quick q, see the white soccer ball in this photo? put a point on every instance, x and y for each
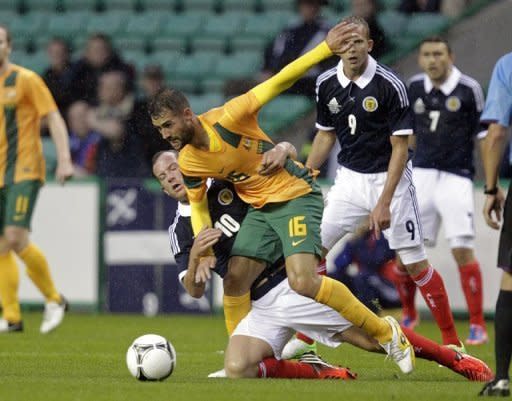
(151, 357)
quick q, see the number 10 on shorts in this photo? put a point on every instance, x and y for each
(297, 227)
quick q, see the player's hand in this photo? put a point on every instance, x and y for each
(494, 203)
(338, 38)
(380, 219)
(206, 263)
(64, 171)
(273, 160)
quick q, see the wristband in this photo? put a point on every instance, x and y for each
(490, 191)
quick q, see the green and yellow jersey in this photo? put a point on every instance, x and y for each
(24, 100)
(237, 145)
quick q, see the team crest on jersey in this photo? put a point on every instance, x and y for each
(334, 106)
(419, 106)
(370, 104)
(225, 197)
(247, 143)
(453, 103)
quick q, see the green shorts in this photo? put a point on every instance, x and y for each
(290, 227)
(17, 203)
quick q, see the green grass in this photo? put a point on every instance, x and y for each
(84, 360)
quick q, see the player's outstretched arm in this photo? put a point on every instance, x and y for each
(336, 42)
(321, 148)
(60, 136)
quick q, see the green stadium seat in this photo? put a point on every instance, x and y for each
(390, 4)
(137, 58)
(206, 43)
(425, 24)
(183, 85)
(119, 5)
(67, 24)
(203, 5)
(10, 5)
(80, 5)
(224, 25)
(210, 85)
(248, 43)
(183, 25)
(266, 25)
(37, 62)
(40, 5)
(159, 44)
(283, 111)
(393, 22)
(238, 65)
(143, 25)
(28, 26)
(18, 56)
(341, 5)
(122, 42)
(195, 66)
(202, 103)
(271, 5)
(158, 5)
(238, 5)
(166, 59)
(109, 23)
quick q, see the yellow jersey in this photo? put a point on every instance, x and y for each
(236, 152)
(24, 100)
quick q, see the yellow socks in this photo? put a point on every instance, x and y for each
(336, 295)
(39, 272)
(235, 309)
(9, 282)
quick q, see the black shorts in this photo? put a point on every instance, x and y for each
(505, 247)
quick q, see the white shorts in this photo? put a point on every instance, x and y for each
(276, 317)
(447, 197)
(354, 195)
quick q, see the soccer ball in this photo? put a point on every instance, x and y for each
(151, 357)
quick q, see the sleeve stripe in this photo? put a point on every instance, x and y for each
(397, 84)
(323, 127)
(173, 238)
(403, 132)
(414, 78)
(324, 76)
(477, 91)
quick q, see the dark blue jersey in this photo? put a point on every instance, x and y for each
(227, 212)
(446, 121)
(363, 114)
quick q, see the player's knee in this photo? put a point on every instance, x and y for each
(237, 368)
(15, 241)
(235, 284)
(304, 284)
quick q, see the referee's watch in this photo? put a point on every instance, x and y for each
(490, 191)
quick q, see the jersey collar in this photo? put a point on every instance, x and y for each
(364, 79)
(184, 209)
(448, 86)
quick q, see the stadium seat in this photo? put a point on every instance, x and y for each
(425, 24)
(119, 5)
(143, 25)
(39, 5)
(239, 65)
(109, 23)
(80, 5)
(136, 58)
(195, 66)
(224, 25)
(10, 5)
(157, 5)
(37, 62)
(272, 5)
(182, 25)
(210, 85)
(28, 26)
(238, 5)
(201, 103)
(203, 5)
(183, 85)
(206, 43)
(167, 59)
(340, 5)
(265, 25)
(390, 4)
(67, 24)
(393, 22)
(124, 42)
(283, 111)
(159, 44)
(247, 44)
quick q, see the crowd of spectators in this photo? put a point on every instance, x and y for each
(105, 101)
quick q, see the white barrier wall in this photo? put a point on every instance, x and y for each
(66, 227)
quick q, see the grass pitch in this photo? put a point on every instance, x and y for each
(85, 360)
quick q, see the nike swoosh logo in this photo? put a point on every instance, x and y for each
(295, 243)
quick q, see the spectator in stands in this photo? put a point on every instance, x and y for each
(419, 6)
(118, 152)
(368, 10)
(99, 57)
(296, 40)
(59, 76)
(152, 81)
(83, 141)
